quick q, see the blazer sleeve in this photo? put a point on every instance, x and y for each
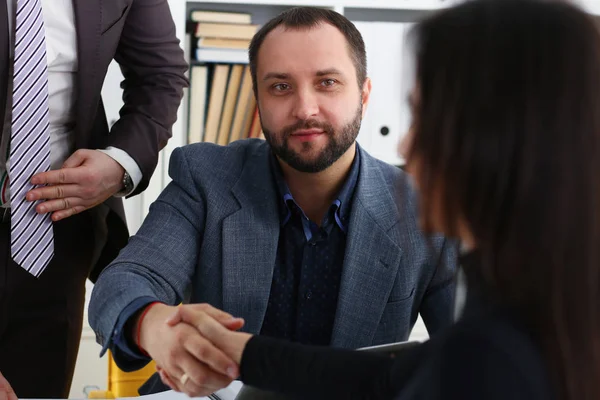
(153, 65)
(437, 307)
(159, 261)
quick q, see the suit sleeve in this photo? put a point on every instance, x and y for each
(153, 66)
(159, 261)
(437, 307)
(124, 350)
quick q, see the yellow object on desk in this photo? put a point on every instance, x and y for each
(123, 384)
(101, 394)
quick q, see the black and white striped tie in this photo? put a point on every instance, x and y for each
(32, 237)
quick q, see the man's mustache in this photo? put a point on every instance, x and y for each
(307, 124)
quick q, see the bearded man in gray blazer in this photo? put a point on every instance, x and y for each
(54, 56)
(305, 236)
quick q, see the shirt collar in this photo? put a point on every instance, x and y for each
(347, 192)
(341, 205)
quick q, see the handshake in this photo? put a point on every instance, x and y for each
(195, 346)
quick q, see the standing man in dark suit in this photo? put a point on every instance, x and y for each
(63, 169)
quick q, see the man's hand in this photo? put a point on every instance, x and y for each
(86, 179)
(192, 363)
(230, 342)
(6, 392)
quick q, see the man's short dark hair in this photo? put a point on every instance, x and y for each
(307, 18)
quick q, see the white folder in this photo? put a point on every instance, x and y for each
(387, 66)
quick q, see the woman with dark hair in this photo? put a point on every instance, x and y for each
(505, 151)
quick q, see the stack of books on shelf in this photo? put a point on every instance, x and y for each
(222, 107)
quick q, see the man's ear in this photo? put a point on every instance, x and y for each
(366, 95)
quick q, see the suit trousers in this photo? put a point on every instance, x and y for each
(41, 318)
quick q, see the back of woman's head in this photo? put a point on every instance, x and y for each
(507, 130)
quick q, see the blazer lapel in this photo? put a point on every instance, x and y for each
(4, 67)
(88, 20)
(250, 238)
(371, 260)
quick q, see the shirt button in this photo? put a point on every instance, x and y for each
(308, 295)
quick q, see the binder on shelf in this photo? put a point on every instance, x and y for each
(231, 56)
(215, 104)
(197, 105)
(248, 118)
(244, 108)
(226, 31)
(222, 107)
(221, 43)
(233, 90)
(386, 118)
(220, 16)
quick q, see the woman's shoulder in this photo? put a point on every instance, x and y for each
(495, 330)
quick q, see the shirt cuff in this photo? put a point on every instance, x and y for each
(127, 163)
(123, 348)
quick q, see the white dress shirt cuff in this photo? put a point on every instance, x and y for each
(127, 163)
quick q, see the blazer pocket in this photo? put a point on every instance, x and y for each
(112, 14)
(397, 297)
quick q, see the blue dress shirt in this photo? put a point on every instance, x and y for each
(308, 270)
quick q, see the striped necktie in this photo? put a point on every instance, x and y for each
(32, 242)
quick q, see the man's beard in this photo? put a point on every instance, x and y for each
(338, 143)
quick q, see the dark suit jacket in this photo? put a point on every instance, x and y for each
(140, 36)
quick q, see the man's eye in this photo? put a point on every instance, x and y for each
(280, 87)
(328, 82)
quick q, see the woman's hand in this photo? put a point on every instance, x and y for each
(192, 364)
(229, 342)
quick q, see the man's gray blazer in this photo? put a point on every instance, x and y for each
(213, 232)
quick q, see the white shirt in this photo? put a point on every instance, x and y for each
(61, 54)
